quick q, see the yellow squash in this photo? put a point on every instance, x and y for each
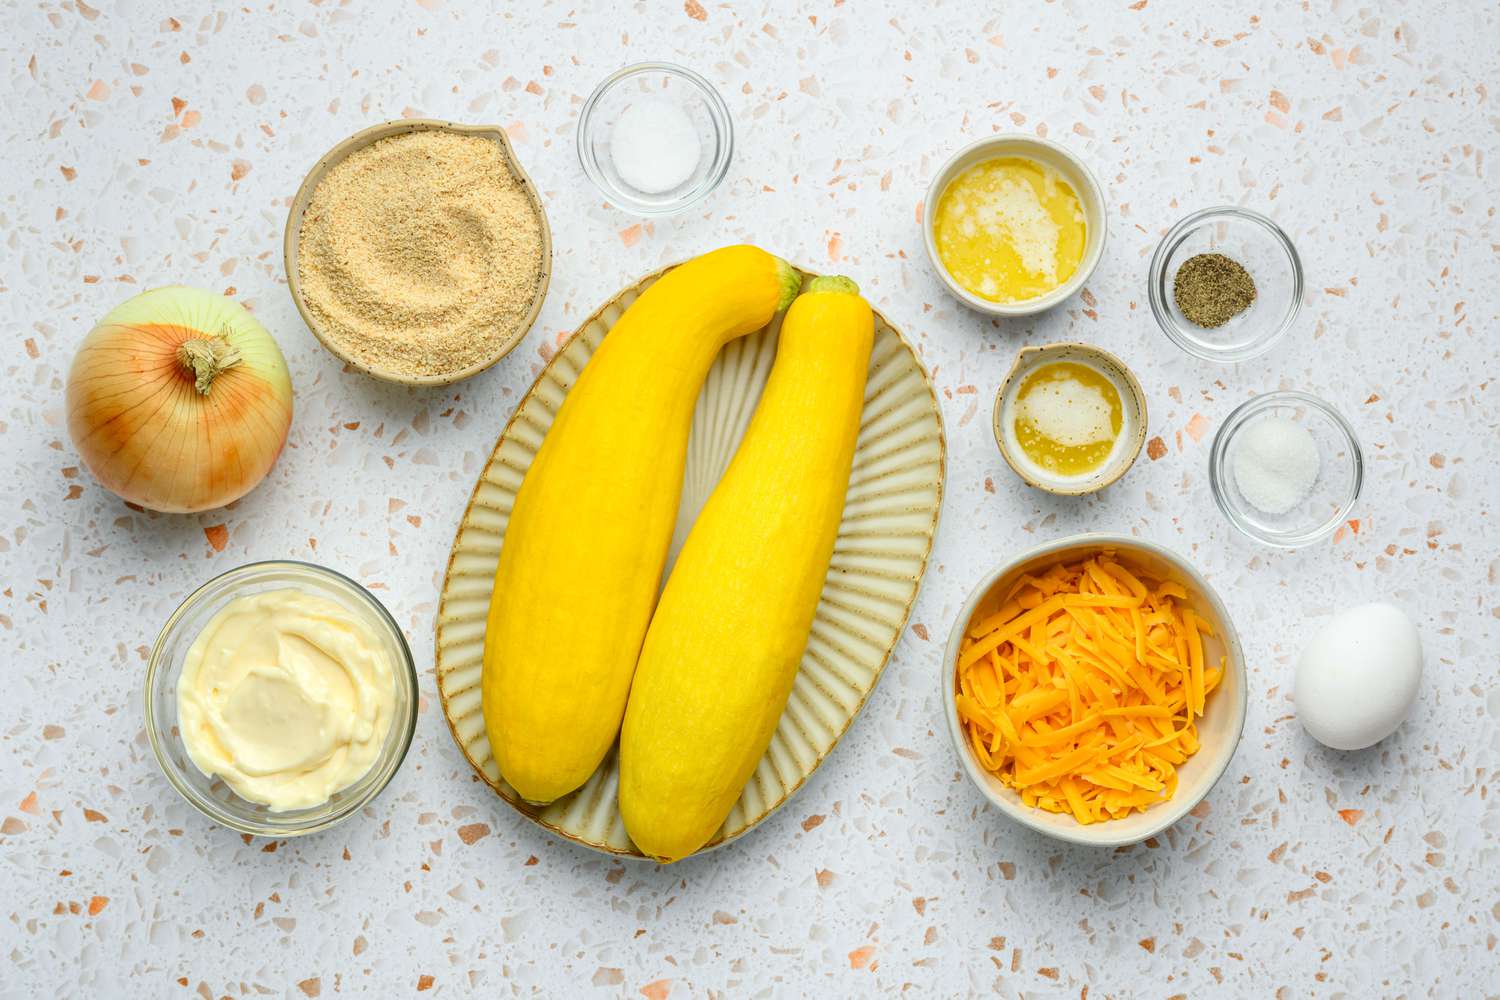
(588, 535)
(723, 647)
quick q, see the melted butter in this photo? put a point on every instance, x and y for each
(1067, 417)
(1009, 229)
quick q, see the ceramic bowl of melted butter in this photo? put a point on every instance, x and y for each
(1014, 224)
(1069, 418)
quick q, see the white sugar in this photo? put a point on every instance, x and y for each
(1275, 464)
(654, 146)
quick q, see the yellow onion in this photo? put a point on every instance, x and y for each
(179, 400)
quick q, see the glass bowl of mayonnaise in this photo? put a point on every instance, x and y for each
(281, 698)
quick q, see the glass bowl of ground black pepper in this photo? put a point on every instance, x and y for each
(1225, 284)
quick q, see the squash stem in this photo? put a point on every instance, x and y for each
(835, 283)
(791, 283)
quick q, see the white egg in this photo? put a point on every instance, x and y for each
(1359, 676)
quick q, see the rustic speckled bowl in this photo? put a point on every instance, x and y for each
(890, 517)
(1132, 402)
(1218, 730)
(292, 239)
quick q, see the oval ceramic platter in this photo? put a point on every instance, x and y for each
(890, 516)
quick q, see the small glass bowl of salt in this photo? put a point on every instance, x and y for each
(655, 138)
(1286, 468)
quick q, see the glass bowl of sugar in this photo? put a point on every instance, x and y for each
(1286, 468)
(655, 138)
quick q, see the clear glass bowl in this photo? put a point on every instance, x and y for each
(1341, 471)
(213, 797)
(697, 98)
(1260, 246)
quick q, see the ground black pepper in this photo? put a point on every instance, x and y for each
(1211, 289)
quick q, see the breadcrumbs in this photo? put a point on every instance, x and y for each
(421, 254)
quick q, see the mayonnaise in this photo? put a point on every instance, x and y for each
(286, 696)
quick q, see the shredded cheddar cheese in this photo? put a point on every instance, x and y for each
(1081, 691)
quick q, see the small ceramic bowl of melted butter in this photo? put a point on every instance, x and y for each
(1069, 418)
(1014, 224)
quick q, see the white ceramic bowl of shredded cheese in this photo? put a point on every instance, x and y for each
(1049, 154)
(1219, 728)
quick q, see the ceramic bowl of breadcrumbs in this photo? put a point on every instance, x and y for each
(418, 251)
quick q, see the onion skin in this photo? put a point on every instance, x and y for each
(141, 423)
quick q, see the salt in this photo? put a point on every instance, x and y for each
(1275, 463)
(654, 146)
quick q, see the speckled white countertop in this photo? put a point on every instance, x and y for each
(148, 143)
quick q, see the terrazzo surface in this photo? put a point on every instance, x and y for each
(151, 143)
